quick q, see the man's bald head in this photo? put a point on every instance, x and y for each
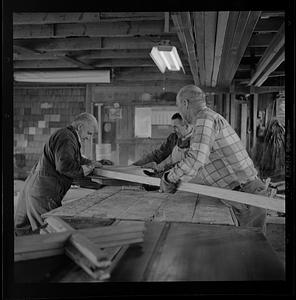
(190, 99)
(86, 125)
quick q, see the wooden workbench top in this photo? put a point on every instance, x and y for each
(124, 203)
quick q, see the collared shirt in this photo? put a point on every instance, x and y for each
(216, 154)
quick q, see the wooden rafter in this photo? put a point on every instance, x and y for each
(76, 62)
(84, 43)
(183, 23)
(251, 22)
(209, 44)
(221, 30)
(275, 45)
(80, 17)
(274, 63)
(199, 33)
(118, 29)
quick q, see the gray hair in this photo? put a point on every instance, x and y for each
(85, 118)
(193, 94)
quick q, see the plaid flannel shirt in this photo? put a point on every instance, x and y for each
(216, 154)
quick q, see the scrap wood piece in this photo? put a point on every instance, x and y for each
(225, 194)
(119, 235)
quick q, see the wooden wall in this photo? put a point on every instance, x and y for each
(38, 112)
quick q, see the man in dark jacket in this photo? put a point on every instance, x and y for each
(179, 137)
(52, 176)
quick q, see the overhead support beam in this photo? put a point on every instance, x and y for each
(210, 38)
(275, 62)
(268, 25)
(76, 62)
(166, 22)
(276, 44)
(199, 33)
(70, 63)
(116, 29)
(245, 27)
(82, 17)
(182, 22)
(261, 40)
(84, 43)
(220, 36)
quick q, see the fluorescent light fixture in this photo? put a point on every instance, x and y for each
(166, 56)
(91, 76)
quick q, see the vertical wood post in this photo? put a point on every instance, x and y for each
(243, 125)
(219, 101)
(254, 125)
(88, 147)
(232, 110)
(226, 106)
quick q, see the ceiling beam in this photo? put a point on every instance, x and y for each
(220, 36)
(76, 62)
(261, 40)
(209, 44)
(82, 17)
(239, 49)
(272, 66)
(275, 45)
(116, 29)
(183, 24)
(230, 29)
(199, 33)
(69, 63)
(268, 14)
(84, 43)
(268, 25)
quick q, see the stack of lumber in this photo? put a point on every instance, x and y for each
(96, 250)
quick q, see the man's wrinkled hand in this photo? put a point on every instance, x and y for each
(166, 186)
(96, 164)
(106, 162)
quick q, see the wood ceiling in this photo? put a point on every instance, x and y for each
(219, 50)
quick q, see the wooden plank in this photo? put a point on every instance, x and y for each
(211, 210)
(76, 207)
(273, 65)
(232, 110)
(243, 125)
(136, 260)
(261, 40)
(251, 22)
(231, 25)
(118, 29)
(77, 62)
(166, 21)
(84, 43)
(199, 31)
(220, 36)
(192, 252)
(268, 25)
(210, 38)
(240, 197)
(275, 45)
(219, 103)
(179, 207)
(82, 17)
(227, 107)
(254, 119)
(183, 24)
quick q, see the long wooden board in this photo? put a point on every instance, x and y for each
(137, 175)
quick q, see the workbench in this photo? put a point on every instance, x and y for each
(188, 237)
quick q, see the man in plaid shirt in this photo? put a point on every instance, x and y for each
(217, 155)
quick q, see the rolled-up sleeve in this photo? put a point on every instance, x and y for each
(66, 160)
(197, 155)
